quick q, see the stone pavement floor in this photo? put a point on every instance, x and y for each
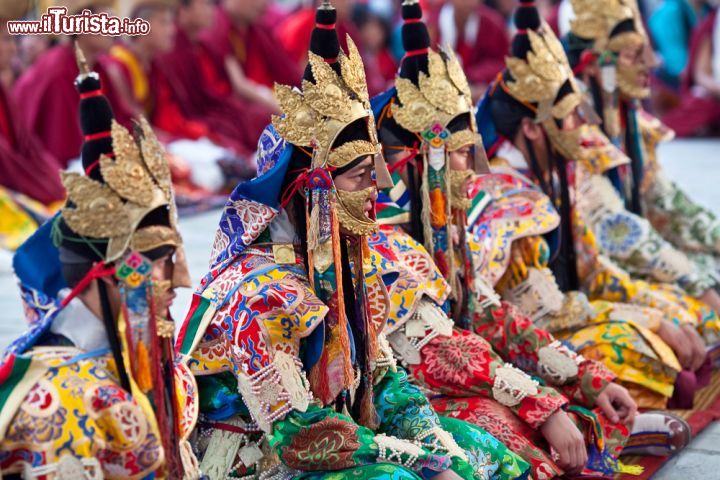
(692, 163)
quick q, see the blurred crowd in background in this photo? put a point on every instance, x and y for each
(204, 74)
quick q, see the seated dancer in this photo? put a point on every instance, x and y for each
(472, 377)
(25, 166)
(147, 88)
(609, 45)
(541, 132)
(45, 90)
(91, 389)
(699, 111)
(292, 313)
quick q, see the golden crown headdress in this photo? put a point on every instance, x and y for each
(538, 78)
(137, 181)
(315, 116)
(440, 96)
(596, 19)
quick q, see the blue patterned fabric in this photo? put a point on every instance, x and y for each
(254, 204)
(39, 271)
(269, 149)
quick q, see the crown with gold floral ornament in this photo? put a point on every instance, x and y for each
(127, 178)
(327, 103)
(609, 24)
(432, 89)
(538, 69)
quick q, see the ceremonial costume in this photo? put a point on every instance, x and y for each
(678, 243)
(292, 313)
(88, 395)
(619, 335)
(476, 374)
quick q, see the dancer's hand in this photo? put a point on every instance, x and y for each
(567, 441)
(712, 299)
(697, 345)
(677, 340)
(617, 404)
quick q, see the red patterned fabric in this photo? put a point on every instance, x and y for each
(516, 338)
(504, 425)
(464, 365)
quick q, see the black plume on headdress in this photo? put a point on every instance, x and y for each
(527, 18)
(415, 38)
(96, 117)
(416, 41)
(324, 40)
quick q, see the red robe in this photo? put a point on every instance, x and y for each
(50, 102)
(236, 124)
(695, 112)
(485, 57)
(294, 36)
(256, 48)
(25, 166)
(294, 33)
(155, 97)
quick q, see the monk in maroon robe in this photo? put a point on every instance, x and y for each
(478, 34)
(240, 33)
(235, 124)
(699, 110)
(241, 55)
(144, 86)
(47, 96)
(25, 166)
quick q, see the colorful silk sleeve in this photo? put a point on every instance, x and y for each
(518, 341)
(465, 364)
(632, 242)
(405, 412)
(680, 220)
(592, 378)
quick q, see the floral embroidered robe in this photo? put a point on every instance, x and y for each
(252, 326)
(507, 221)
(478, 375)
(614, 244)
(65, 415)
(690, 227)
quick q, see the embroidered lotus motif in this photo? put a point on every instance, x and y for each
(619, 233)
(329, 445)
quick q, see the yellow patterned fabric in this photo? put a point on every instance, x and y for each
(16, 225)
(77, 418)
(604, 280)
(398, 253)
(631, 350)
(515, 209)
